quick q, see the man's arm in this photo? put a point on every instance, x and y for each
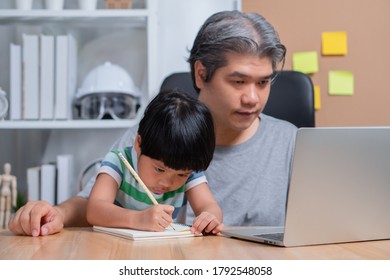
(41, 218)
(73, 212)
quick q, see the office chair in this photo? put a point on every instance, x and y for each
(291, 97)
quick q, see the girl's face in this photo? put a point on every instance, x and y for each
(157, 177)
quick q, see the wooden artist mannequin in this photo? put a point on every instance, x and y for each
(8, 190)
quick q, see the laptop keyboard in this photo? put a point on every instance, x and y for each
(274, 236)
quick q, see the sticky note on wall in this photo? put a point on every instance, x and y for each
(317, 98)
(341, 83)
(334, 43)
(306, 62)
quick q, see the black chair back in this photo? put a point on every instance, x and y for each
(292, 99)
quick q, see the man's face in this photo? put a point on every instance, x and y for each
(237, 93)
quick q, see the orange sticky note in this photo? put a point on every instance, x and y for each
(334, 43)
(306, 62)
(341, 83)
(317, 98)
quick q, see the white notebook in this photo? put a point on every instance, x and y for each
(181, 230)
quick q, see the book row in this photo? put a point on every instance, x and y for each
(43, 77)
(52, 182)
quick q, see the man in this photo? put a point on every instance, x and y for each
(233, 61)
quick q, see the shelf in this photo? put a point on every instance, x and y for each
(68, 124)
(112, 16)
(127, 37)
(76, 18)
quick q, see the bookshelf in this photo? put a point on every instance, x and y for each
(99, 35)
(87, 26)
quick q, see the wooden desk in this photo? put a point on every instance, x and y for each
(83, 243)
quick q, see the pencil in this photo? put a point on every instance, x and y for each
(139, 180)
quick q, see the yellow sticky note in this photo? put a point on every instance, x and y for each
(306, 62)
(334, 43)
(341, 83)
(317, 98)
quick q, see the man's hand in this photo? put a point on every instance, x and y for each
(37, 218)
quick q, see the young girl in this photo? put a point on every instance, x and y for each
(174, 144)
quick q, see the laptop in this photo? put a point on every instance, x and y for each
(339, 189)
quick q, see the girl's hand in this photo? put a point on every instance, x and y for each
(206, 223)
(155, 218)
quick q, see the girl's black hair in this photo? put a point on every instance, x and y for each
(178, 130)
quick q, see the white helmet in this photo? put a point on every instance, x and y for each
(108, 78)
(108, 91)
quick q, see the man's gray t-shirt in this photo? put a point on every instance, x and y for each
(250, 180)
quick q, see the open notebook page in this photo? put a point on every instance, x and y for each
(181, 230)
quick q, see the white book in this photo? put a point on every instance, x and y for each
(72, 74)
(33, 183)
(65, 75)
(61, 77)
(66, 188)
(180, 230)
(48, 183)
(46, 77)
(15, 82)
(30, 88)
